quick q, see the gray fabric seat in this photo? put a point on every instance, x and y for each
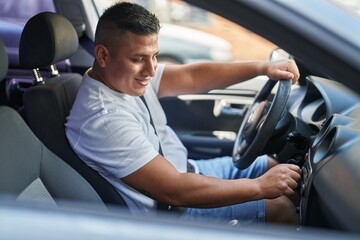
(48, 38)
(31, 173)
(4, 61)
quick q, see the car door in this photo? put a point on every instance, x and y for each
(208, 123)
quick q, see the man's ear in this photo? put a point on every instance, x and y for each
(101, 55)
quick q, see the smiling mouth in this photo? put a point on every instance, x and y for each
(143, 82)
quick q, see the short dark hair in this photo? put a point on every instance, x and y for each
(126, 16)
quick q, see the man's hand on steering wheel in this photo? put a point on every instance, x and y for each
(262, 116)
(282, 69)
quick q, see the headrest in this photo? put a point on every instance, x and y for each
(4, 61)
(47, 38)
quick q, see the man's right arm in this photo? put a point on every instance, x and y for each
(159, 180)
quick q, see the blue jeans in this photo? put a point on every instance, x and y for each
(248, 212)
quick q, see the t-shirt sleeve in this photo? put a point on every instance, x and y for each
(119, 147)
(157, 78)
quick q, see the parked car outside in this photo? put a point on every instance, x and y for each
(181, 44)
(178, 44)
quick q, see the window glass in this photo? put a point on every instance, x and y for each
(245, 45)
(350, 6)
(11, 9)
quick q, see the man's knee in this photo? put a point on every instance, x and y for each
(281, 210)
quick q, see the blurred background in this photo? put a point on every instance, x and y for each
(245, 45)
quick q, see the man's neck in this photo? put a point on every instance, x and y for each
(94, 75)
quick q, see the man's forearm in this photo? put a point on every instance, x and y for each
(200, 191)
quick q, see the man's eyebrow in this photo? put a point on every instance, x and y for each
(143, 55)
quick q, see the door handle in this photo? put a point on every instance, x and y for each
(224, 108)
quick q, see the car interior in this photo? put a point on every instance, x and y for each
(35, 175)
(48, 101)
(30, 172)
(316, 124)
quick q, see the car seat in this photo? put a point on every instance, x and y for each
(4, 65)
(48, 38)
(4, 61)
(32, 173)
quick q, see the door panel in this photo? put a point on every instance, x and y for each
(207, 124)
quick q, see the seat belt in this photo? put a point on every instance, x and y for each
(159, 205)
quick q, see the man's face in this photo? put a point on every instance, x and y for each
(132, 63)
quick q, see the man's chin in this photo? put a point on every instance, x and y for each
(139, 93)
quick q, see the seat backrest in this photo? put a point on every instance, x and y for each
(4, 61)
(46, 39)
(32, 173)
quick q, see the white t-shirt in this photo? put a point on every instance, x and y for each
(111, 132)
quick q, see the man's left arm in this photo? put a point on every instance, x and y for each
(203, 77)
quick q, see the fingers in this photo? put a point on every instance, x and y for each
(282, 74)
(293, 179)
(290, 70)
(293, 172)
(292, 167)
(285, 177)
(292, 184)
(284, 69)
(279, 180)
(291, 76)
(293, 69)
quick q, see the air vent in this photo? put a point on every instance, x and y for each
(325, 145)
(333, 120)
(320, 113)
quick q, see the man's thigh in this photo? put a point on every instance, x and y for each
(245, 213)
(249, 212)
(224, 168)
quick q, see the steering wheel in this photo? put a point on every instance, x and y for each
(259, 123)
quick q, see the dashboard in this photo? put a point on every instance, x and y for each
(329, 189)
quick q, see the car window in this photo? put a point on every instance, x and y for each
(350, 6)
(11, 9)
(12, 20)
(245, 44)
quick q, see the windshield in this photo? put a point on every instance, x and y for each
(350, 6)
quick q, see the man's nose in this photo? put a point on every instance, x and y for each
(150, 68)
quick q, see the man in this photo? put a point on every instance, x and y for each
(110, 128)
